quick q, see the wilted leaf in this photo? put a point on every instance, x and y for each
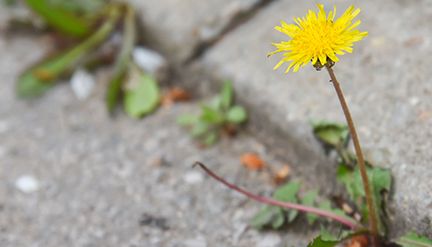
(144, 98)
(414, 240)
(331, 134)
(236, 114)
(60, 18)
(252, 161)
(40, 78)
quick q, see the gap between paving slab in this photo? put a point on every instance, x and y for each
(390, 96)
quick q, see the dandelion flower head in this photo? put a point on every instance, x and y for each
(318, 38)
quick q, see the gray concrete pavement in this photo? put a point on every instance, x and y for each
(100, 177)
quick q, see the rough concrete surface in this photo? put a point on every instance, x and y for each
(72, 176)
(387, 81)
(178, 27)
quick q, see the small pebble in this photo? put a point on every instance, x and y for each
(27, 184)
(149, 60)
(82, 84)
(193, 177)
(414, 101)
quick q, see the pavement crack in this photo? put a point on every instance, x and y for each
(235, 21)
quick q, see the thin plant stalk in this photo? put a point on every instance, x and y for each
(373, 223)
(323, 213)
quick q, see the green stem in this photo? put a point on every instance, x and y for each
(373, 223)
(123, 59)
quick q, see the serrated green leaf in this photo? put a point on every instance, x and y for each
(327, 239)
(278, 219)
(308, 200)
(288, 193)
(333, 134)
(60, 18)
(144, 97)
(269, 216)
(211, 115)
(262, 218)
(38, 79)
(236, 114)
(187, 119)
(226, 95)
(275, 216)
(320, 242)
(414, 240)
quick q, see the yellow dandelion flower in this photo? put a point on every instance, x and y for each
(318, 38)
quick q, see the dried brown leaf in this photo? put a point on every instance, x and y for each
(175, 94)
(282, 174)
(252, 161)
(358, 241)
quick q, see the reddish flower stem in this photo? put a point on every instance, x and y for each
(323, 213)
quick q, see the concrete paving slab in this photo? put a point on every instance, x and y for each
(387, 81)
(178, 27)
